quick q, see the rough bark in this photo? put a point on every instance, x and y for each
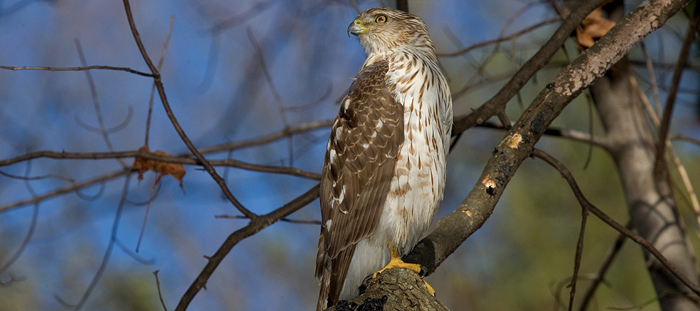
(471, 214)
(651, 204)
(403, 289)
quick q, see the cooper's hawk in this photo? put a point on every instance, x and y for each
(384, 170)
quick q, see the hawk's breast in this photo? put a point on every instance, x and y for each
(419, 174)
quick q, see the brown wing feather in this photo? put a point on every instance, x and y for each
(358, 168)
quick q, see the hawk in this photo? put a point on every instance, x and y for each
(385, 164)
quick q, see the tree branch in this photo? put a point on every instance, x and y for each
(539, 60)
(476, 208)
(660, 164)
(612, 223)
(255, 225)
(166, 105)
(85, 68)
(393, 290)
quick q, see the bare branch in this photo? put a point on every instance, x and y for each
(153, 86)
(539, 60)
(110, 246)
(147, 155)
(160, 295)
(66, 189)
(612, 223)
(161, 91)
(255, 225)
(659, 166)
(129, 70)
(293, 221)
(499, 40)
(607, 262)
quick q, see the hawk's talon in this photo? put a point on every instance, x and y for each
(429, 288)
(423, 271)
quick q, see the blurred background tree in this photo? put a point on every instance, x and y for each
(254, 85)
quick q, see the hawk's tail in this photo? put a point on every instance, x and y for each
(325, 290)
(323, 274)
(331, 273)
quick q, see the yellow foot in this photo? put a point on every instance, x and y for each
(396, 262)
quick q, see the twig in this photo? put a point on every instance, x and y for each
(160, 295)
(30, 232)
(659, 165)
(164, 100)
(59, 177)
(607, 262)
(689, 139)
(652, 78)
(584, 216)
(114, 129)
(146, 155)
(534, 64)
(129, 70)
(268, 78)
(255, 225)
(612, 223)
(267, 138)
(133, 255)
(66, 189)
(682, 172)
(519, 13)
(110, 246)
(95, 100)
(148, 209)
(153, 86)
(93, 197)
(579, 254)
(354, 5)
(294, 221)
(241, 18)
(499, 40)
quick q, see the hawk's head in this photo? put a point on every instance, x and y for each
(383, 30)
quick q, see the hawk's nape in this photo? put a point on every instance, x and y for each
(385, 163)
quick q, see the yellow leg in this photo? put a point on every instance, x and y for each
(396, 262)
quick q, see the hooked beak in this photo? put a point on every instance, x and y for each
(355, 28)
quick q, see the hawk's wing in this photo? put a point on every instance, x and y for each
(358, 168)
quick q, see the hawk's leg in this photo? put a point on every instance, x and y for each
(396, 262)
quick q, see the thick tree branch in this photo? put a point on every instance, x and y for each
(393, 290)
(476, 208)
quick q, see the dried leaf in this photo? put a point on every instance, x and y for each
(159, 167)
(594, 27)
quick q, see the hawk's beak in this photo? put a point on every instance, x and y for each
(355, 28)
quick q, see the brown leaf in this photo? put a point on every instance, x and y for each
(161, 168)
(594, 27)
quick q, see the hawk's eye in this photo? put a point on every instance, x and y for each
(381, 19)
